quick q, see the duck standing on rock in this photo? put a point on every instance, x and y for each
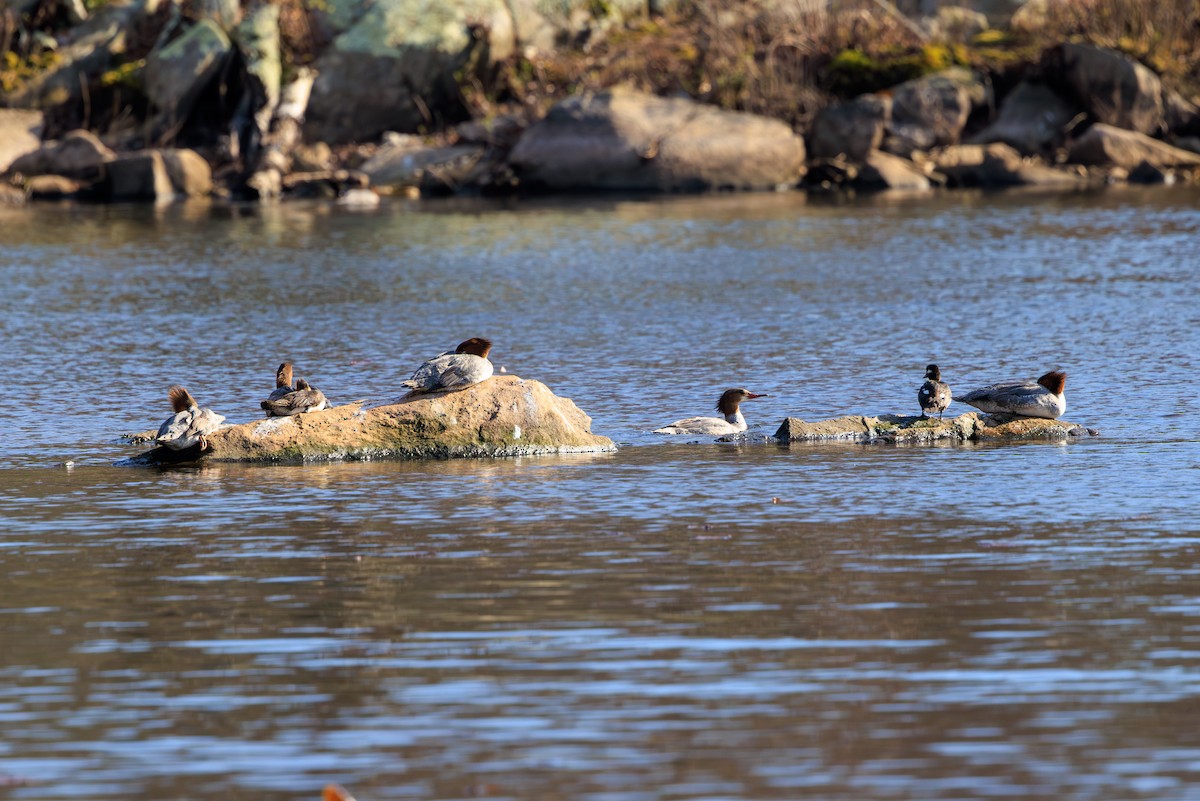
(934, 395)
(304, 398)
(190, 425)
(467, 365)
(1042, 398)
(283, 382)
(728, 404)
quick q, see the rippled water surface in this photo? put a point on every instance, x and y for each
(677, 620)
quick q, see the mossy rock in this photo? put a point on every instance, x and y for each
(891, 429)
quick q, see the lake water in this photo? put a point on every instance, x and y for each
(680, 620)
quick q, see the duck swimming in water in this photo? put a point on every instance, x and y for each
(467, 365)
(934, 394)
(304, 398)
(728, 404)
(190, 425)
(1041, 398)
(283, 382)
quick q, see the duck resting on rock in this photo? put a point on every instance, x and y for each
(304, 398)
(934, 395)
(728, 404)
(283, 382)
(467, 365)
(190, 425)
(1042, 398)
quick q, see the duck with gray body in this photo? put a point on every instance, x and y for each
(303, 399)
(1042, 398)
(729, 404)
(467, 365)
(934, 395)
(189, 425)
(283, 382)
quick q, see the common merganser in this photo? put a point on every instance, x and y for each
(934, 395)
(727, 405)
(467, 365)
(283, 382)
(190, 425)
(303, 399)
(1041, 398)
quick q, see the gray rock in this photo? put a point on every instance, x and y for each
(401, 165)
(931, 111)
(139, 176)
(397, 67)
(998, 165)
(890, 429)
(1111, 87)
(177, 73)
(20, 133)
(852, 129)
(625, 140)
(78, 155)
(1031, 119)
(1105, 145)
(1181, 115)
(884, 171)
(1188, 143)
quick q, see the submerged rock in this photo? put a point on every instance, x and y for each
(891, 429)
(503, 416)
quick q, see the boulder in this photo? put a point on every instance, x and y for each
(1113, 88)
(852, 129)
(955, 24)
(324, 184)
(79, 155)
(625, 140)
(1147, 173)
(1105, 145)
(189, 173)
(258, 41)
(53, 187)
(139, 176)
(1031, 119)
(397, 68)
(891, 429)
(503, 416)
(884, 171)
(931, 111)
(91, 50)
(401, 165)
(998, 165)
(177, 73)
(1181, 115)
(20, 133)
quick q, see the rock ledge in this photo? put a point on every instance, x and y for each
(504, 416)
(891, 429)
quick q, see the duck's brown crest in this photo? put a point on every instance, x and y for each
(1055, 381)
(476, 346)
(181, 399)
(283, 376)
(730, 400)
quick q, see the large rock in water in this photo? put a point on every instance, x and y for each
(625, 140)
(852, 129)
(178, 73)
(1113, 88)
(1104, 145)
(932, 111)
(79, 155)
(503, 416)
(891, 429)
(20, 133)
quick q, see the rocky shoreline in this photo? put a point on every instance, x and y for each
(152, 100)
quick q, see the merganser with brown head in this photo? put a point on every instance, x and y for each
(467, 365)
(728, 404)
(934, 395)
(190, 425)
(283, 382)
(1041, 398)
(304, 398)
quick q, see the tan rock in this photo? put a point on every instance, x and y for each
(20, 133)
(189, 173)
(1113, 88)
(998, 165)
(1104, 144)
(503, 416)
(913, 430)
(52, 187)
(79, 155)
(884, 171)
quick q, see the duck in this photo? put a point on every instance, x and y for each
(1042, 398)
(283, 382)
(466, 366)
(727, 405)
(304, 398)
(190, 425)
(934, 395)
